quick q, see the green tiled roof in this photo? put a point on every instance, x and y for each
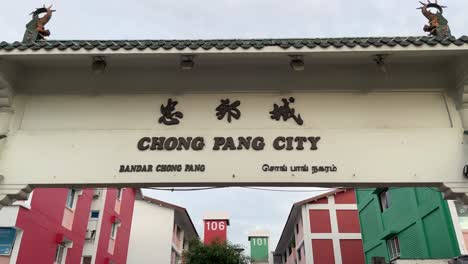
(232, 44)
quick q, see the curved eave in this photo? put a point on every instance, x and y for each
(233, 46)
(291, 50)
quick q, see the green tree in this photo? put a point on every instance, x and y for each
(215, 253)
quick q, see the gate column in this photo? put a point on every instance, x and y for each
(8, 192)
(459, 190)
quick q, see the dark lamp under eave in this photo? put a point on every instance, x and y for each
(99, 65)
(297, 63)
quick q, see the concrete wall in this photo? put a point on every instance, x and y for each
(151, 235)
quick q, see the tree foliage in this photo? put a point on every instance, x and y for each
(215, 253)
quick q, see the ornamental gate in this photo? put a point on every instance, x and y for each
(236, 118)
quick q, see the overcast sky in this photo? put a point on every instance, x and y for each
(194, 19)
(189, 19)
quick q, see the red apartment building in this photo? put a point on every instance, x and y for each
(322, 230)
(71, 226)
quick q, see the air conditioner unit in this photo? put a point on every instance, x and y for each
(90, 234)
(96, 194)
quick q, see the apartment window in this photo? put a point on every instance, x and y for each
(90, 234)
(385, 199)
(87, 259)
(94, 214)
(178, 231)
(59, 254)
(289, 250)
(299, 253)
(393, 248)
(119, 194)
(7, 238)
(462, 212)
(71, 198)
(114, 230)
(285, 256)
(297, 228)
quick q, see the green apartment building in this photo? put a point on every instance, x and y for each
(259, 246)
(406, 223)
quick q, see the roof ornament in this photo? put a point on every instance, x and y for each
(438, 24)
(35, 28)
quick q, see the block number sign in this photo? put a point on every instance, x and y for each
(215, 230)
(259, 248)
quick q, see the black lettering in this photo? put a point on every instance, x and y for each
(258, 143)
(229, 144)
(143, 144)
(314, 141)
(184, 143)
(300, 142)
(157, 143)
(170, 143)
(218, 142)
(289, 143)
(277, 143)
(198, 143)
(244, 143)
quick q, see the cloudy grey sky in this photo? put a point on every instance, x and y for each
(194, 19)
(248, 209)
(189, 19)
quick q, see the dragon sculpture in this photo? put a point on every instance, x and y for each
(438, 24)
(35, 29)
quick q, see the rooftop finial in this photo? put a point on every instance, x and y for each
(438, 24)
(35, 28)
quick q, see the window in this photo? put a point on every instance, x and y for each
(178, 231)
(87, 259)
(285, 257)
(7, 240)
(59, 254)
(385, 199)
(297, 228)
(95, 214)
(393, 248)
(299, 253)
(462, 212)
(71, 198)
(114, 230)
(289, 250)
(119, 194)
(90, 234)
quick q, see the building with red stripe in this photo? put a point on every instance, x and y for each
(71, 226)
(322, 230)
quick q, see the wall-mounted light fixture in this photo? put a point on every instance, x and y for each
(99, 65)
(187, 63)
(381, 61)
(297, 62)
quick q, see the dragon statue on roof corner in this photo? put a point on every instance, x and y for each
(438, 24)
(35, 29)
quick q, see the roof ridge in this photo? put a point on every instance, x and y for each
(232, 44)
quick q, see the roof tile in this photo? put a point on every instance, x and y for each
(233, 43)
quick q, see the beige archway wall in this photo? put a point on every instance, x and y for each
(67, 127)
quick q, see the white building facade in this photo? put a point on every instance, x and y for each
(160, 232)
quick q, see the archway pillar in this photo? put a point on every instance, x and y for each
(8, 77)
